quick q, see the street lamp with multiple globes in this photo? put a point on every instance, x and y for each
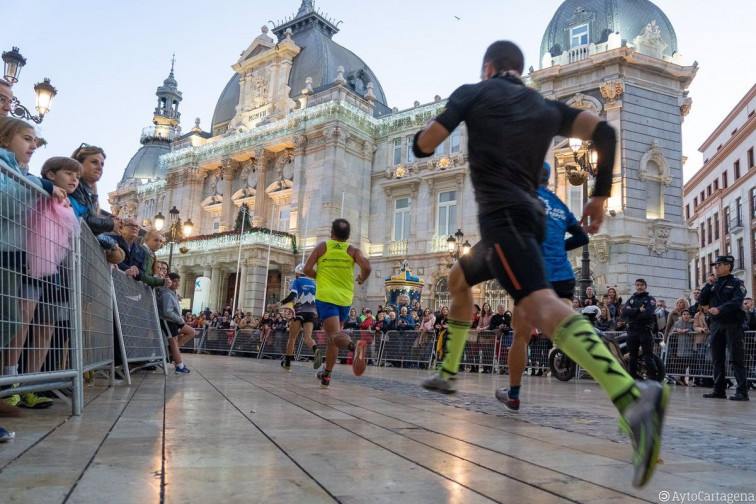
(176, 233)
(456, 248)
(586, 158)
(12, 64)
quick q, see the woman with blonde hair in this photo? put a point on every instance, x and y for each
(680, 305)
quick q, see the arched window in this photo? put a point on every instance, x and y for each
(441, 296)
(494, 294)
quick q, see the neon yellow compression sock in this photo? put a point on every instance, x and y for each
(456, 335)
(576, 337)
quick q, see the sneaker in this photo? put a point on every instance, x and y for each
(317, 358)
(13, 400)
(643, 421)
(358, 361)
(512, 405)
(6, 435)
(33, 401)
(438, 384)
(324, 380)
(284, 365)
(183, 370)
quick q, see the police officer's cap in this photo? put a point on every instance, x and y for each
(726, 259)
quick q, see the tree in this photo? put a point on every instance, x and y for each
(243, 213)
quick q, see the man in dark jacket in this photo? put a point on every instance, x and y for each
(724, 297)
(639, 314)
(133, 265)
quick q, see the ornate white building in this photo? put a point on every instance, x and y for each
(720, 199)
(302, 134)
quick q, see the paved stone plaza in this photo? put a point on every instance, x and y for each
(242, 430)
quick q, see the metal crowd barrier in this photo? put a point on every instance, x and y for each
(136, 316)
(274, 345)
(248, 342)
(407, 348)
(39, 334)
(218, 341)
(690, 355)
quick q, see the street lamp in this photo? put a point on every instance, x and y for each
(586, 158)
(176, 232)
(456, 248)
(13, 62)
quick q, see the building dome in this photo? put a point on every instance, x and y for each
(319, 58)
(144, 164)
(629, 18)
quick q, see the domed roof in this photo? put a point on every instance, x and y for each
(604, 17)
(319, 58)
(144, 164)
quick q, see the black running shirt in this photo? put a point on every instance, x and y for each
(510, 128)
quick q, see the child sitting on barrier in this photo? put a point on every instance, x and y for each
(172, 322)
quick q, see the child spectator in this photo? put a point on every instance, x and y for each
(175, 329)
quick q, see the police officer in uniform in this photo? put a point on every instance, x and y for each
(724, 297)
(639, 314)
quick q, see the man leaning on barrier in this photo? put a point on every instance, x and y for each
(133, 265)
(172, 323)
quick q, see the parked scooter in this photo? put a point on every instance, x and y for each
(564, 369)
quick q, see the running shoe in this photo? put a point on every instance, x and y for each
(324, 380)
(358, 361)
(643, 421)
(512, 405)
(438, 384)
(6, 435)
(286, 366)
(318, 358)
(183, 370)
(33, 401)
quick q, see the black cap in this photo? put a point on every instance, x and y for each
(727, 259)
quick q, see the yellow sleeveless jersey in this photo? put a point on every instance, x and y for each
(335, 280)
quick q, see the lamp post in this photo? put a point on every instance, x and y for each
(456, 248)
(586, 158)
(13, 62)
(176, 233)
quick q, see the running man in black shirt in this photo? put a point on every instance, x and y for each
(510, 128)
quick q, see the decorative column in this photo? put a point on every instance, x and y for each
(228, 168)
(195, 177)
(241, 280)
(258, 217)
(612, 91)
(254, 286)
(215, 280)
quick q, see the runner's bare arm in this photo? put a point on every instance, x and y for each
(363, 263)
(430, 137)
(309, 267)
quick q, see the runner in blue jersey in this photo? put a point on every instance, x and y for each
(303, 295)
(559, 222)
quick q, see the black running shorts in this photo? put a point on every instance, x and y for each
(170, 329)
(565, 289)
(509, 251)
(305, 317)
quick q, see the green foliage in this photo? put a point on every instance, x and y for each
(243, 214)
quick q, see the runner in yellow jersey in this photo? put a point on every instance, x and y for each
(334, 290)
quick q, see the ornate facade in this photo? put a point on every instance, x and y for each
(302, 135)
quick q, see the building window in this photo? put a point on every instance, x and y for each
(753, 203)
(284, 220)
(439, 150)
(456, 140)
(703, 196)
(447, 213)
(708, 229)
(397, 152)
(739, 212)
(402, 218)
(724, 180)
(575, 199)
(736, 168)
(753, 247)
(716, 184)
(727, 221)
(654, 201)
(579, 36)
(716, 226)
(703, 235)
(750, 158)
(687, 211)
(216, 224)
(410, 154)
(703, 270)
(708, 191)
(698, 272)
(695, 203)
(741, 255)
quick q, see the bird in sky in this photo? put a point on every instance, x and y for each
(458, 18)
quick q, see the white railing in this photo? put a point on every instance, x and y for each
(222, 241)
(397, 247)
